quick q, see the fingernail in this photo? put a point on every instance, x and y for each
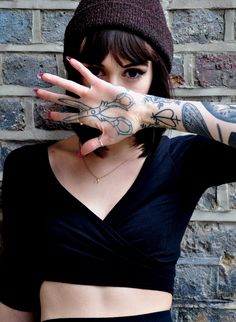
(68, 58)
(49, 115)
(40, 75)
(35, 90)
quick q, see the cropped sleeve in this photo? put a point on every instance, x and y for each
(19, 280)
(204, 161)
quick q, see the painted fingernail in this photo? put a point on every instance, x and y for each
(68, 58)
(35, 90)
(40, 75)
(49, 115)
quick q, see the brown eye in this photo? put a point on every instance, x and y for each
(134, 73)
(96, 70)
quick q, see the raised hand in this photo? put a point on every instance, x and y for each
(114, 110)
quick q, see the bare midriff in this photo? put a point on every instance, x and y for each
(62, 300)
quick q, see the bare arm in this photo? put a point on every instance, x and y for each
(212, 120)
(8, 314)
(119, 113)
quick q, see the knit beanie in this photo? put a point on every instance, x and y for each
(144, 18)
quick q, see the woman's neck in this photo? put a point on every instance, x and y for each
(123, 149)
(119, 151)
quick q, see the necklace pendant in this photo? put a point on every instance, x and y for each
(104, 175)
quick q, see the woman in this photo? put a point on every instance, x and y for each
(113, 201)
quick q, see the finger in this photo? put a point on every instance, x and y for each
(98, 142)
(85, 72)
(72, 118)
(90, 146)
(66, 84)
(64, 117)
(58, 98)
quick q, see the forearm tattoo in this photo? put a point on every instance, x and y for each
(121, 124)
(226, 113)
(193, 121)
(165, 117)
(191, 117)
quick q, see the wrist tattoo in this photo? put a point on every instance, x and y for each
(159, 101)
(166, 117)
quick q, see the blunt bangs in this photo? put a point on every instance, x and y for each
(120, 44)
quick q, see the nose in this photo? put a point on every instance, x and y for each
(115, 80)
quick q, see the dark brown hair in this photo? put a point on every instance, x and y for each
(122, 45)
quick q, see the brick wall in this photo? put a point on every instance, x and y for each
(205, 55)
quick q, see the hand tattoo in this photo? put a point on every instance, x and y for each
(121, 124)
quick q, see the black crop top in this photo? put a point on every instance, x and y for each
(50, 235)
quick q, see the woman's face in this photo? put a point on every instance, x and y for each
(135, 77)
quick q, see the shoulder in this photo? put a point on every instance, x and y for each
(189, 147)
(22, 167)
(26, 153)
(22, 162)
(186, 142)
(175, 144)
(27, 150)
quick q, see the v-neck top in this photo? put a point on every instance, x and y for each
(49, 235)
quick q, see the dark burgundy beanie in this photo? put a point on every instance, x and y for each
(144, 18)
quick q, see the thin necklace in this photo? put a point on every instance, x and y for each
(106, 174)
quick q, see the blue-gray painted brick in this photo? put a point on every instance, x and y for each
(41, 110)
(178, 68)
(208, 200)
(196, 282)
(3, 154)
(206, 315)
(21, 69)
(201, 26)
(227, 280)
(232, 194)
(209, 239)
(15, 26)
(11, 114)
(54, 24)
